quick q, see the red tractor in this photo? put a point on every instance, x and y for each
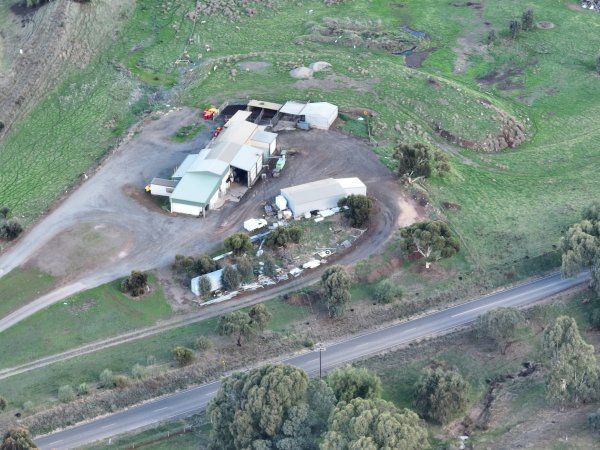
(209, 113)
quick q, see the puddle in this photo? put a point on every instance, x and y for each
(414, 33)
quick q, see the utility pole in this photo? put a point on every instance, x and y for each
(320, 347)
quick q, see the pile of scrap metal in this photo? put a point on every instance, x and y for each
(591, 4)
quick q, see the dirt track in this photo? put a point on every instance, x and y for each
(156, 237)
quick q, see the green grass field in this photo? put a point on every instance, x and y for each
(20, 286)
(86, 317)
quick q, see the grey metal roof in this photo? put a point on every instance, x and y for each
(184, 166)
(292, 107)
(265, 137)
(163, 182)
(214, 166)
(247, 158)
(309, 192)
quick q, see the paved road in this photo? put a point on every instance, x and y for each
(187, 402)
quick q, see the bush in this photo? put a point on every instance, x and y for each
(282, 236)
(183, 355)
(238, 243)
(83, 389)
(4, 212)
(594, 421)
(2, 403)
(10, 230)
(440, 393)
(150, 360)
(348, 383)
(107, 379)
(231, 278)
(139, 372)
(121, 381)
(28, 406)
(244, 267)
(269, 268)
(203, 344)
(205, 286)
(135, 284)
(387, 291)
(66, 394)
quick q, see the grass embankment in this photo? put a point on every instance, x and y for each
(187, 132)
(85, 317)
(40, 386)
(20, 286)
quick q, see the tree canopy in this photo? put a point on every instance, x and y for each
(236, 323)
(359, 209)
(348, 383)
(238, 243)
(282, 236)
(433, 240)
(259, 316)
(260, 407)
(440, 393)
(581, 246)
(231, 278)
(17, 439)
(499, 325)
(135, 284)
(373, 424)
(420, 161)
(336, 283)
(573, 374)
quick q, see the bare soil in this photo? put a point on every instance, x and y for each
(545, 25)
(415, 59)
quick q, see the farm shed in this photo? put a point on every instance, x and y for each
(162, 187)
(266, 141)
(318, 115)
(320, 195)
(214, 278)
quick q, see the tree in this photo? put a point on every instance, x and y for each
(256, 409)
(17, 439)
(419, 161)
(594, 421)
(237, 323)
(269, 267)
(499, 325)
(527, 20)
(387, 291)
(373, 424)
(238, 243)
(135, 284)
(440, 393)
(183, 355)
(66, 394)
(433, 240)
(4, 211)
(10, 230)
(245, 268)
(231, 278)
(2, 403)
(259, 316)
(107, 379)
(359, 209)
(336, 283)
(581, 246)
(321, 401)
(205, 285)
(348, 383)
(204, 264)
(514, 28)
(282, 236)
(573, 374)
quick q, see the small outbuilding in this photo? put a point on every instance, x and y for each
(215, 279)
(320, 195)
(320, 115)
(162, 187)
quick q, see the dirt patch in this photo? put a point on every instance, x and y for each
(451, 206)
(495, 77)
(575, 7)
(545, 25)
(474, 5)
(415, 59)
(383, 270)
(81, 307)
(145, 199)
(254, 66)
(82, 248)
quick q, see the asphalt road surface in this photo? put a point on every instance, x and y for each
(188, 402)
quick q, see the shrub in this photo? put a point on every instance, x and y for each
(135, 284)
(282, 236)
(4, 212)
(150, 360)
(440, 393)
(359, 209)
(594, 421)
(28, 406)
(231, 278)
(244, 267)
(66, 394)
(2, 403)
(183, 355)
(203, 344)
(83, 389)
(205, 286)
(387, 291)
(107, 379)
(527, 20)
(10, 230)
(139, 372)
(269, 268)
(121, 381)
(238, 243)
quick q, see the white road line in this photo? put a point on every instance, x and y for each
(163, 408)
(108, 426)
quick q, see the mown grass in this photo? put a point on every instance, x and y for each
(85, 317)
(20, 286)
(40, 386)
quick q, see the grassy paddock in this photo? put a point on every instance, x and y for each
(85, 317)
(21, 286)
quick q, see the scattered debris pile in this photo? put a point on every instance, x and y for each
(512, 135)
(591, 4)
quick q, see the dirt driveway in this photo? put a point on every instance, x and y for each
(152, 237)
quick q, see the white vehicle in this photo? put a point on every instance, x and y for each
(254, 224)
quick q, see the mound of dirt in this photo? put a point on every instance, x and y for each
(545, 25)
(301, 73)
(319, 66)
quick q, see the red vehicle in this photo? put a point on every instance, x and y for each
(217, 131)
(209, 113)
